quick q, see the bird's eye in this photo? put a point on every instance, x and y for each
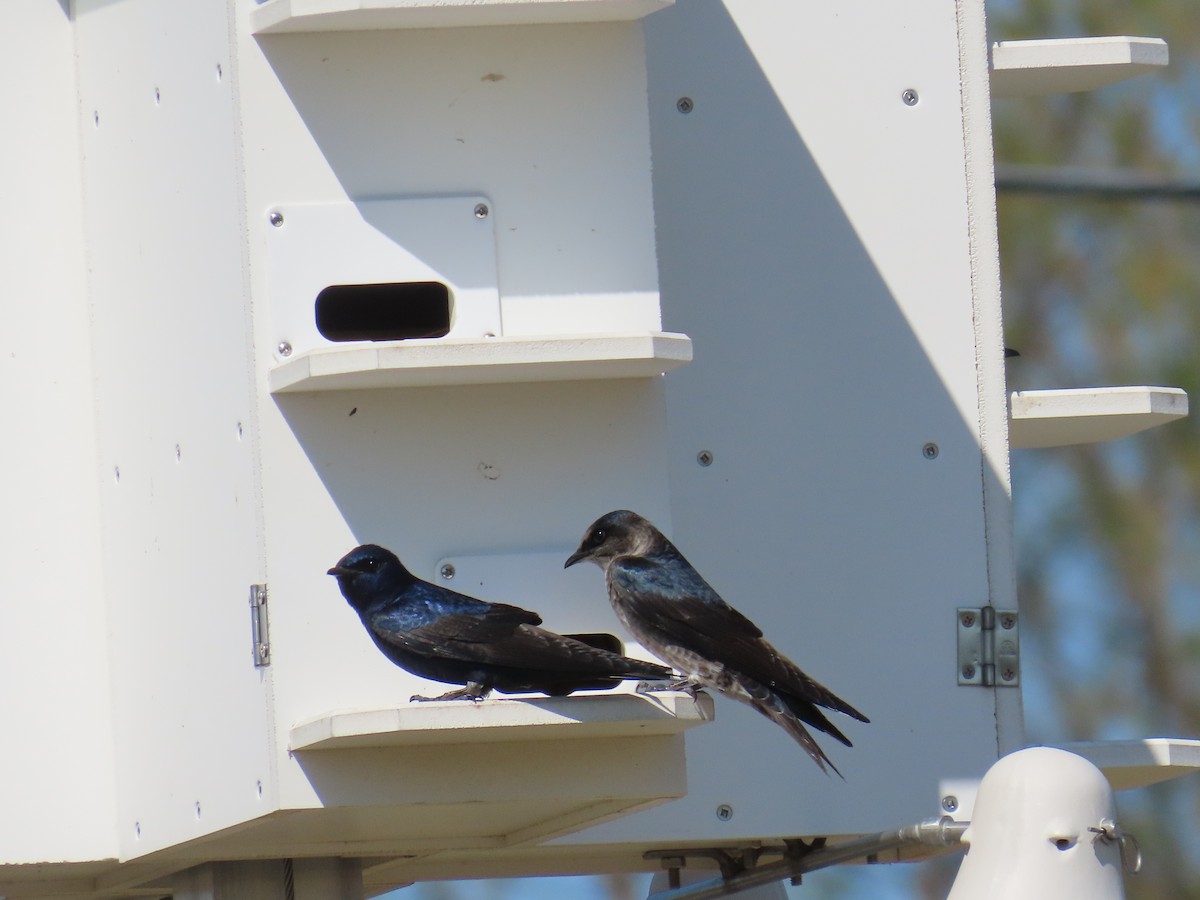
(598, 536)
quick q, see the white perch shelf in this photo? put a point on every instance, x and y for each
(428, 362)
(1138, 763)
(1060, 418)
(283, 16)
(491, 721)
(1033, 68)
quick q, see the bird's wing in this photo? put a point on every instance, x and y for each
(437, 622)
(671, 598)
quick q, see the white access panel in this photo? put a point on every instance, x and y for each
(446, 240)
(818, 242)
(175, 418)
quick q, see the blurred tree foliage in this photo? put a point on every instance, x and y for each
(1107, 292)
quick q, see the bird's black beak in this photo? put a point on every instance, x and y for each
(574, 558)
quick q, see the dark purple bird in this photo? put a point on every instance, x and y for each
(449, 637)
(678, 617)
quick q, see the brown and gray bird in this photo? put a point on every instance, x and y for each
(678, 617)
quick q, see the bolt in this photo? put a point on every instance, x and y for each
(910, 97)
(705, 458)
(968, 671)
(284, 348)
(275, 218)
(724, 812)
(447, 571)
(685, 105)
(1008, 621)
(481, 210)
(949, 803)
(930, 450)
(967, 619)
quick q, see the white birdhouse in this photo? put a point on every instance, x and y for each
(457, 278)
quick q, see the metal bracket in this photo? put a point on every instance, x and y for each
(989, 648)
(258, 625)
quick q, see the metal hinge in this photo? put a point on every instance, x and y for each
(989, 648)
(258, 625)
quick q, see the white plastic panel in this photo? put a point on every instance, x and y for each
(827, 275)
(175, 416)
(434, 112)
(422, 239)
(57, 750)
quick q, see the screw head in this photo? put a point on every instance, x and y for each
(481, 211)
(968, 671)
(1008, 674)
(284, 348)
(704, 458)
(685, 105)
(930, 450)
(275, 218)
(967, 619)
(949, 803)
(910, 97)
(1008, 621)
(447, 571)
(724, 812)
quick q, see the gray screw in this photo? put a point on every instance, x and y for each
(178, 453)
(276, 218)
(704, 457)
(930, 450)
(481, 210)
(967, 619)
(910, 97)
(285, 349)
(724, 812)
(137, 829)
(447, 571)
(197, 809)
(949, 803)
(685, 105)
(968, 671)
(1008, 674)
(1008, 622)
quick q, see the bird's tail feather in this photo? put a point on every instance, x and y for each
(777, 709)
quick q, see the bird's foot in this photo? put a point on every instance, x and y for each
(466, 693)
(687, 685)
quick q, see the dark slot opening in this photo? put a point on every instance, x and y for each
(384, 312)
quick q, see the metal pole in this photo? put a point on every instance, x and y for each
(944, 832)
